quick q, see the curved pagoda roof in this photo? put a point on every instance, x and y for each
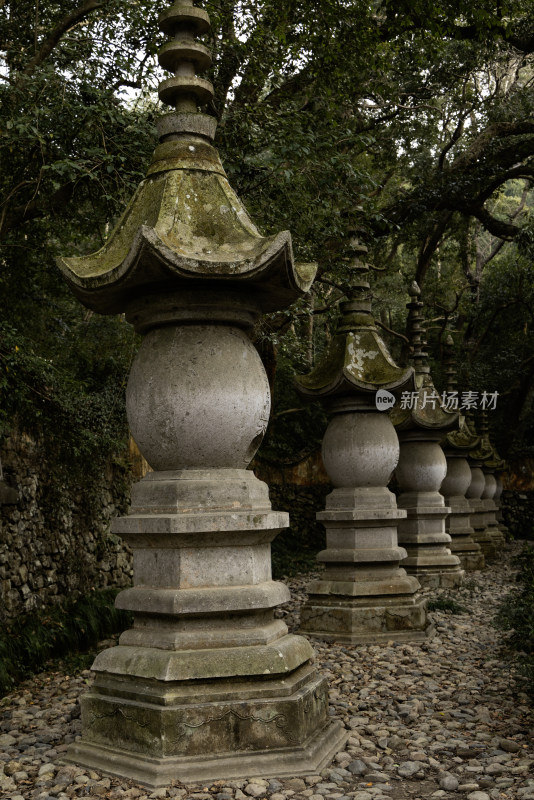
(357, 359)
(184, 223)
(427, 411)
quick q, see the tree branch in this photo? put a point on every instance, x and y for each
(454, 138)
(54, 37)
(430, 245)
(497, 227)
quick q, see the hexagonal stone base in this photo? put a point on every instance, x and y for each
(155, 733)
(363, 620)
(307, 759)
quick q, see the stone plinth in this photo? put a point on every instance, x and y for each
(453, 488)
(206, 683)
(364, 595)
(477, 517)
(421, 469)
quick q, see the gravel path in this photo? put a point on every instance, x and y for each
(444, 719)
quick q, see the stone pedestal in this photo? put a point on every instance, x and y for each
(420, 472)
(453, 488)
(206, 684)
(477, 517)
(492, 525)
(364, 595)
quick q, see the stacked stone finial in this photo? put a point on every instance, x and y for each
(184, 56)
(415, 331)
(364, 595)
(422, 467)
(206, 684)
(456, 446)
(451, 382)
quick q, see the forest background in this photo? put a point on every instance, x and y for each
(411, 119)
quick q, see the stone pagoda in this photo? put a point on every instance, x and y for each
(363, 595)
(490, 466)
(477, 456)
(206, 684)
(422, 467)
(456, 447)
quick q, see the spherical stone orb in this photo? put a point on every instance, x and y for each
(198, 397)
(360, 449)
(422, 466)
(457, 479)
(477, 485)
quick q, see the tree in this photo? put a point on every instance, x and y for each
(71, 152)
(414, 118)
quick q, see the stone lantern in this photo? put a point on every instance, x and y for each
(363, 595)
(456, 446)
(489, 467)
(422, 468)
(477, 456)
(206, 684)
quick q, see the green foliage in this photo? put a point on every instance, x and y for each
(413, 118)
(447, 604)
(27, 645)
(295, 549)
(516, 615)
(71, 152)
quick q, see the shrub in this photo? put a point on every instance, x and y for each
(34, 639)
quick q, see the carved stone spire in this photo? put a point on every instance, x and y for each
(184, 56)
(415, 330)
(451, 381)
(185, 225)
(363, 595)
(425, 413)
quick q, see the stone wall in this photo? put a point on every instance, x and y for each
(55, 541)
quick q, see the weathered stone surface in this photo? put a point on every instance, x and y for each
(453, 489)
(224, 398)
(207, 683)
(421, 470)
(477, 517)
